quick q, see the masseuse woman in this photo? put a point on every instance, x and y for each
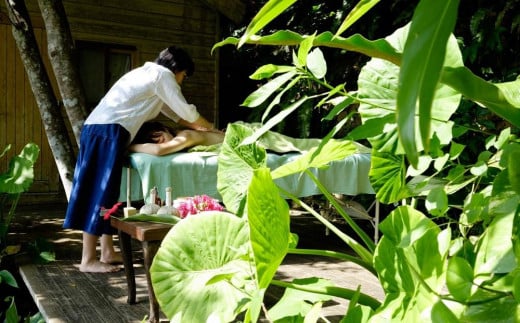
(140, 95)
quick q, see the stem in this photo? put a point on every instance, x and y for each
(334, 254)
(340, 292)
(366, 239)
(362, 252)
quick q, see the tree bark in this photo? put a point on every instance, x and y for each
(53, 122)
(60, 48)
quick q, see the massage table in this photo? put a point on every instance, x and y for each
(195, 173)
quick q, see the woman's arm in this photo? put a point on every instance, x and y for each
(184, 139)
(200, 124)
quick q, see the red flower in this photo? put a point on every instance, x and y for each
(196, 204)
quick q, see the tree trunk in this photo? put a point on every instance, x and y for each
(53, 123)
(61, 49)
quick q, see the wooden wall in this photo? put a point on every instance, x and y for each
(147, 25)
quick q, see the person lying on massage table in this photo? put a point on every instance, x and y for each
(154, 138)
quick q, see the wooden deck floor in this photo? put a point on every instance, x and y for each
(63, 294)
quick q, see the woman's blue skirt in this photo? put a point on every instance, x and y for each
(97, 177)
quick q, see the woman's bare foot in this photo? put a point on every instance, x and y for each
(98, 267)
(112, 258)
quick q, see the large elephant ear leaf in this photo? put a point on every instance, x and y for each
(268, 216)
(387, 176)
(236, 163)
(20, 174)
(378, 85)
(202, 267)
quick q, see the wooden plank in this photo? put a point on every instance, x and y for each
(232, 9)
(64, 294)
(130, 16)
(10, 71)
(107, 29)
(3, 93)
(174, 7)
(19, 104)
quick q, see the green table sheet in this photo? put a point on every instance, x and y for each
(195, 173)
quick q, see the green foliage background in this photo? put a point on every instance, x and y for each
(479, 29)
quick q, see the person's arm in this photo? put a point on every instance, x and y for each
(201, 124)
(175, 105)
(184, 139)
(176, 144)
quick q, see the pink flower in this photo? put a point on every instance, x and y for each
(196, 204)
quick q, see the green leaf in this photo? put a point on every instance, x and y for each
(274, 121)
(267, 13)
(339, 103)
(410, 259)
(317, 64)
(479, 169)
(11, 314)
(502, 199)
(370, 128)
(268, 216)
(303, 50)
(503, 138)
(20, 174)
(459, 278)
(455, 150)
(265, 91)
(276, 101)
(267, 71)
(510, 160)
(357, 12)
(297, 302)
(516, 288)
(378, 87)
(423, 58)
(501, 98)
(442, 314)
(474, 206)
(437, 202)
(387, 176)
(196, 251)
(495, 249)
(440, 162)
(332, 150)
(358, 43)
(236, 163)
(253, 312)
(8, 278)
(501, 309)
(422, 165)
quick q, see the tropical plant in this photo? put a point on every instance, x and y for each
(16, 180)
(449, 250)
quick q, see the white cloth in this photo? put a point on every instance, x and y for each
(140, 95)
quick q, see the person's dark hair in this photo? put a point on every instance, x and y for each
(148, 132)
(176, 59)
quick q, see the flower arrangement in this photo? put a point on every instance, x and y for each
(196, 204)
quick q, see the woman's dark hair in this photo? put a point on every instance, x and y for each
(148, 132)
(176, 60)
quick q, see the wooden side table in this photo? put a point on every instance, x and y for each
(150, 235)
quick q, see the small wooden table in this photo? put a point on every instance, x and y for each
(150, 235)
